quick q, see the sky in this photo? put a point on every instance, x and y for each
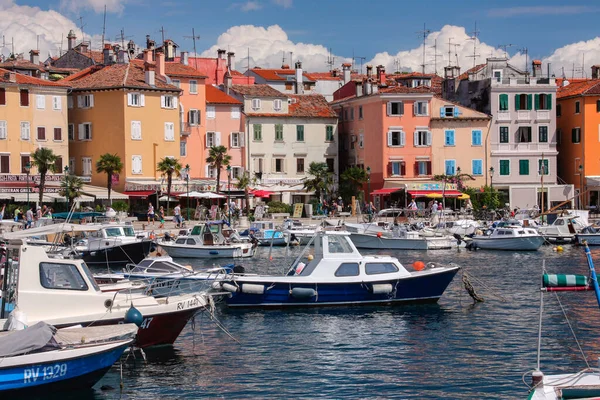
(376, 32)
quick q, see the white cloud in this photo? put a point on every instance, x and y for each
(541, 10)
(112, 6)
(250, 6)
(283, 3)
(571, 57)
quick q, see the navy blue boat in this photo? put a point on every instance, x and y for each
(338, 274)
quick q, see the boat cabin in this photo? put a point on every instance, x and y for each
(209, 234)
(513, 231)
(159, 265)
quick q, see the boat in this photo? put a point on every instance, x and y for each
(461, 227)
(563, 229)
(509, 237)
(584, 384)
(63, 293)
(213, 239)
(267, 233)
(41, 359)
(590, 235)
(337, 274)
(399, 238)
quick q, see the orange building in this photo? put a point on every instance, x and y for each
(578, 123)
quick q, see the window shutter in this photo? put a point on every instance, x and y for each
(80, 101)
(70, 101)
(175, 102)
(273, 165)
(81, 131)
(401, 108)
(425, 108)
(41, 101)
(2, 129)
(415, 138)
(231, 139)
(416, 168)
(402, 138)
(456, 112)
(163, 102)
(142, 100)
(242, 139)
(402, 168)
(428, 138)
(91, 100)
(529, 101)
(389, 138)
(217, 138)
(517, 101)
(389, 108)
(549, 101)
(428, 167)
(130, 101)
(133, 130)
(474, 167)
(442, 112)
(390, 169)
(415, 111)
(537, 101)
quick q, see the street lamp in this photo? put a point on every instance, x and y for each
(27, 170)
(369, 184)
(229, 192)
(67, 186)
(491, 177)
(187, 187)
(581, 186)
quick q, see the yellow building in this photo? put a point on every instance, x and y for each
(127, 109)
(33, 114)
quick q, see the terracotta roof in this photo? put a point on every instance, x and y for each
(114, 76)
(21, 64)
(581, 88)
(257, 90)
(311, 106)
(323, 76)
(95, 55)
(343, 99)
(277, 74)
(28, 80)
(215, 96)
(176, 69)
(465, 75)
(405, 89)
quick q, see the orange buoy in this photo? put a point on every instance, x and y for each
(379, 235)
(419, 265)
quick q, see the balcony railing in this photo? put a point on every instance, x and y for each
(523, 115)
(503, 116)
(543, 115)
(518, 147)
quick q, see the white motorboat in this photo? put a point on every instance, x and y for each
(213, 239)
(509, 237)
(563, 229)
(401, 239)
(461, 227)
(590, 235)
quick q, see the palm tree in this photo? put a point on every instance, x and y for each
(244, 183)
(110, 164)
(353, 179)
(167, 167)
(70, 187)
(218, 158)
(321, 178)
(44, 159)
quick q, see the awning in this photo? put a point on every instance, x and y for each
(385, 192)
(424, 193)
(101, 193)
(140, 193)
(262, 193)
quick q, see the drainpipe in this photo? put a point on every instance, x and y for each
(487, 156)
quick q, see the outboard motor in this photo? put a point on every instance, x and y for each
(238, 269)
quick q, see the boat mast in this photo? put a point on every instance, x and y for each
(542, 173)
(588, 254)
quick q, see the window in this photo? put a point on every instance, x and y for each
(4, 163)
(395, 108)
(575, 135)
(396, 138)
(380, 268)
(449, 112)
(24, 97)
(258, 164)
(24, 162)
(476, 137)
(136, 164)
(194, 117)
(346, 114)
(2, 96)
(543, 167)
(71, 131)
(72, 165)
(193, 87)
(58, 134)
(279, 165)
(257, 130)
(524, 134)
(422, 138)
(330, 164)
(41, 133)
(423, 168)
(360, 112)
(168, 101)
(397, 168)
(347, 269)
(523, 101)
(56, 103)
(236, 140)
(352, 114)
(236, 172)
(558, 110)
(278, 132)
(85, 101)
(523, 167)
(503, 102)
(86, 163)
(136, 130)
(289, 86)
(329, 133)
(597, 106)
(577, 109)
(420, 108)
(135, 100)
(450, 167)
(235, 112)
(58, 165)
(504, 167)
(25, 130)
(183, 148)
(61, 276)
(211, 139)
(169, 131)
(504, 134)
(277, 105)
(543, 134)
(256, 104)
(497, 73)
(449, 138)
(543, 102)
(85, 131)
(176, 82)
(299, 165)
(211, 172)
(361, 141)
(3, 130)
(300, 133)
(477, 167)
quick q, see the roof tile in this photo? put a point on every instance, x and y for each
(29, 80)
(116, 75)
(261, 90)
(216, 96)
(579, 88)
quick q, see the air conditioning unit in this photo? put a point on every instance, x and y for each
(353, 138)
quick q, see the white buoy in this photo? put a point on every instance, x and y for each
(383, 288)
(253, 289)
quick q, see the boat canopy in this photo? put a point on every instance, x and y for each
(50, 229)
(28, 340)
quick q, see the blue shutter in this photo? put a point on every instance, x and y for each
(477, 167)
(450, 167)
(476, 138)
(456, 112)
(442, 112)
(449, 138)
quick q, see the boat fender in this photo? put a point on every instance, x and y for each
(134, 316)
(217, 285)
(17, 320)
(108, 303)
(253, 289)
(229, 287)
(382, 288)
(303, 293)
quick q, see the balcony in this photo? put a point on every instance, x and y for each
(503, 116)
(523, 147)
(186, 128)
(543, 116)
(523, 116)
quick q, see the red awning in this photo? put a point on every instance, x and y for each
(261, 193)
(423, 193)
(385, 192)
(140, 193)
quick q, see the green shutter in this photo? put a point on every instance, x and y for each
(503, 102)
(529, 101)
(504, 167)
(523, 167)
(549, 101)
(537, 101)
(517, 101)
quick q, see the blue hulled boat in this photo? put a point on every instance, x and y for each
(337, 274)
(40, 359)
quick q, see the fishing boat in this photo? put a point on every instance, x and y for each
(563, 229)
(213, 239)
(509, 237)
(399, 238)
(337, 274)
(267, 233)
(63, 293)
(42, 359)
(584, 384)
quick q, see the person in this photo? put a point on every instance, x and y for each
(440, 207)
(412, 206)
(340, 205)
(38, 216)
(49, 212)
(161, 217)
(29, 218)
(177, 214)
(469, 205)
(17, 214)
(2, 212)
(151, 213)
(434, 207)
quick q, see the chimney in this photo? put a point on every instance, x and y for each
(221, 54)
(227, 81)
(299, 78)
(536, 68)
(160, 63)
(107, 54)
(71, 39)
(150, 73)
(83, 47)
(285, 66)
(369, 71)
(381, 74)
(595, 70)
(368, 87)
(169, 50)
(34, 57)
(451, 72)
(150, 43)
(346, 68)
(131, 48)
(11, 76)
(231, 60)
(359, 89)
(183, 57)
(122, 57)
(147, 55)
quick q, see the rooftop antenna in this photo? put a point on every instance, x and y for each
(104, 27)
(81, 26)
(248, 69)
(582, 64)
(122, 37)
(162, 31)
(526, 50)
(330, 60)
(361, 59)
(474, 38)
(37, 42)
(194, 37)
(424, 32)
(456, 45)
(282, 58)
(504, 47)
(397, 64)
(449, 52)
(435, 55)
(291, 58)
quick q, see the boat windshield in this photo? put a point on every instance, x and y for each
(113, 232)
(338, 244)
(129, 231)
(89, 276)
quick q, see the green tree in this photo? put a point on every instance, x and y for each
(218, 158)
(459, 178)
(319, 178)
(109, 164)
(70, 187)
(486, 196)
(352, 181)
(244, 183)
(45, 161)
(167, 167)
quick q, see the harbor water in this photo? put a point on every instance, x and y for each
(450, 350)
